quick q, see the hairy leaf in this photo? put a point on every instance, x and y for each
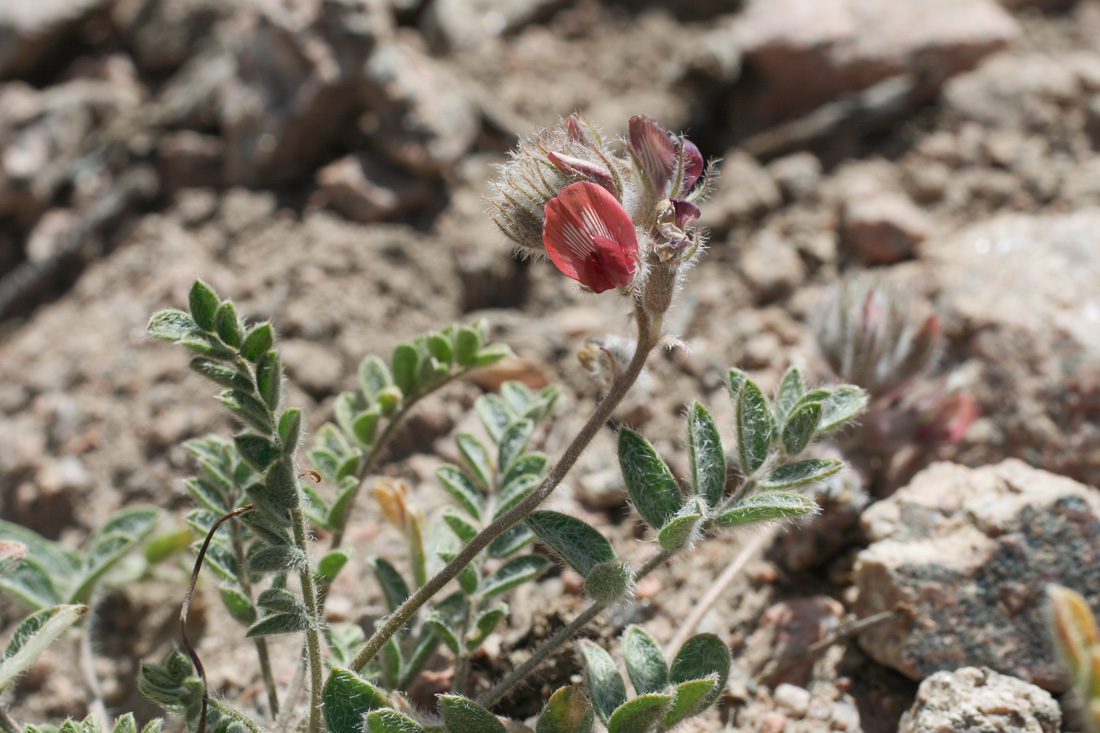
(767, 506)
(567, 711)
(463, 715)
(645, 664)
(639, 715)
(346, 698)
(605, 684)
(515, 572)
(708, 461)
(578, 543)
(648, 480)
(800, 473)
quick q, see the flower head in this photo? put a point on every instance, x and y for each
(590, 237)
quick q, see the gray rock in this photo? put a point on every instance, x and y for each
(418, 114)
(969, 552)
(1021, 292)
(1025, 91)
(285, 105)
(163, 34)
(810, 51)
(461, 24)
(980, 701)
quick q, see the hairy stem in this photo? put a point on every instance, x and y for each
(7, 723)
(562, 635)
(313, 633)
(259, 641)
(648, 335)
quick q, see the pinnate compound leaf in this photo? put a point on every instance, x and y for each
(514, 492)
(735, 379)
(331, 563)
(464, 530)
(639, 715)
(467, 344)
(256, 450)
(491, 354)
(391, 721)
(789, 392)
(514, 539)
(238, 605)
(393, 585)
(346, 698)
(461, 489)
(31, 583)
(281, 600)
(124, 724)
(689, 699)
(754, 427)
(485, 624)
(228, 325)
(645, 664)
(205, 344)
(578, 543)
(513, 442)
(374, 376)
(567, 711)
(532, 463)
(708, 461)
(800, 473)
(203, 302)
(841, 407)
(800, 428)
(767, 506)
(475, 457)
(679, 531)
(605, 684)
(279, 623)
(258, 342)
(274, 559)
(494, 415)
(269, 379)
(651, 485)
(248, 410)
(405, 364)
(171, 325)
(33, 635)
(463, 715)
(515, 572)
(702, 656)
(153, 726)
(290, 429)
(220, 373)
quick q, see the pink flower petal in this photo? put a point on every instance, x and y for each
(655, 150)
(590, 238)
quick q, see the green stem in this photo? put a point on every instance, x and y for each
(562, 635)
(648, 335)
(313, 634)
(379, 450)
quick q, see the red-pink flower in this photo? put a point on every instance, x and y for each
(590, 237)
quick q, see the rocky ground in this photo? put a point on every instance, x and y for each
(322, 162)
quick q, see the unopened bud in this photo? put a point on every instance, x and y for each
(609, 582)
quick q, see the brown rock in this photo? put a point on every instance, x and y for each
(883, 228)
(745, 191)
(366, 190)
(809, 51)
(787, 629)
(771, 266)
(31, 30)
(969, 552)
(189, 160)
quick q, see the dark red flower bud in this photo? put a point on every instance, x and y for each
(594, 172)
